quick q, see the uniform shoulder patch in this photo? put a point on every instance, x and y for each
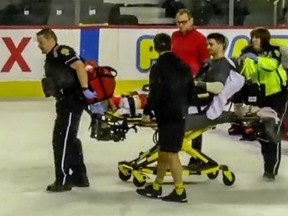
(65, 51)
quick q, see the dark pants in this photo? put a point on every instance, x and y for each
(271, 155)
(270, 141)
(271, 134)
(198, 121)
(67, 149)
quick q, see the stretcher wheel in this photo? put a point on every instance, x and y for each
(138, 183)
(228, 178)
(213, 175)
(124, 177)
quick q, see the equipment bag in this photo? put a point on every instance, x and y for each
(101, 79)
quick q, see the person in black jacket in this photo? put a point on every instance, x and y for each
(171, 89)
(66, 80)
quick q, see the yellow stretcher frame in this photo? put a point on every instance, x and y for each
(145, 164)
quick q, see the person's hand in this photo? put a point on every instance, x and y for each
(89, 94)
(251, 56)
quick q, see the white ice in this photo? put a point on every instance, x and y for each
(26, 167)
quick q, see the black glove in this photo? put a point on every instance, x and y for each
(48, 87)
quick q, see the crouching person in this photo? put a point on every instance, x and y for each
(171, 89)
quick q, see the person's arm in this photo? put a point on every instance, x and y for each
(154, 90)
(267, 63)
(82, 74)
(217, 77)
(212, 87)
(72, 60)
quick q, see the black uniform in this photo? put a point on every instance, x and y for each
(171, 90)
(62, 82)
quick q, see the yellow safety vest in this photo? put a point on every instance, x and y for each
(266, 71)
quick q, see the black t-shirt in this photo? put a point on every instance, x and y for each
(57, 68)
(216, 70)
(170, 88)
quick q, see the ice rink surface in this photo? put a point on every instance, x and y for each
(26, 167)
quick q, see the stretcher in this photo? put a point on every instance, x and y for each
(145, 164)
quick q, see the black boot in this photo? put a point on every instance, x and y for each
(56, 187)
(79, 180)
(268, 176)
(195, 164)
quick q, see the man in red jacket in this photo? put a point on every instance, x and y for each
(190, 46)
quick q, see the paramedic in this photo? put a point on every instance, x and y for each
(262, 65)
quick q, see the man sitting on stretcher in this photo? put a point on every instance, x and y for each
(216, 82)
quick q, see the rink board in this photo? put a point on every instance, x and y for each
(129, 50)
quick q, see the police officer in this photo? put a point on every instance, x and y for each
(66, 80)
(262, 65)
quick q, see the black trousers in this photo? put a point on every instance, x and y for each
(67, 148)
(271, 134)
(271, 155)
(270, 141)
